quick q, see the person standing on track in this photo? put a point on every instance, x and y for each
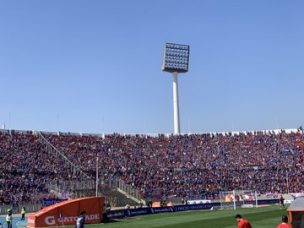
(242, 223)
(9, 218)
(282, 201)
(80, 220)
(23, 213)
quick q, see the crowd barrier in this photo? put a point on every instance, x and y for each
(115, 214)
(150, 210)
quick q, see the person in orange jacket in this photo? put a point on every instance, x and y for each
(284, 223)
(242, 223)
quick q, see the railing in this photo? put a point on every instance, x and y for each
(30, 207)
(70, 187)
(53, 150)
(88, 183)
(61, 186)
(130, 190)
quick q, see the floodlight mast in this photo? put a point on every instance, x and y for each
(176, 60)
(176, 105)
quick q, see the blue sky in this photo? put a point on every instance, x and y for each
(95, 66)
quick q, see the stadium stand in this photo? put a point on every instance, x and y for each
(160, 167)
(26, 168)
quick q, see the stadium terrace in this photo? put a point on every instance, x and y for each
(190, 166)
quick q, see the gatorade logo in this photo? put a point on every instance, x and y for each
(49, 220)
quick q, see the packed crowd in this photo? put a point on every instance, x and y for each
(197, 165)
(26, 168)
(193, 165)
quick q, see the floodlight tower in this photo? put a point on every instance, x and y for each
(176, 60)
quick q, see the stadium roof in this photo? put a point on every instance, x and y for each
(274, 131)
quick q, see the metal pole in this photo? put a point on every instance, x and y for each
(256, 198)
(234, 204)
(97, 176)
(287, 183)
(176, 105)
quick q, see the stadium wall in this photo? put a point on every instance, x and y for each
(149, 210)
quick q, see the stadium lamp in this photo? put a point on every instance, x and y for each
(176, 60)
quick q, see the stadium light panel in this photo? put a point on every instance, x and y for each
(176, 58)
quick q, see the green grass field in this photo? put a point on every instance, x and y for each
(259, 217)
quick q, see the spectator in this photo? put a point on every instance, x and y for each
(284, 223)
(80, 220)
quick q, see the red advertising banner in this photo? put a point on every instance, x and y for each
(66, 212)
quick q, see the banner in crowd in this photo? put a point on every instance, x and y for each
(48, 202)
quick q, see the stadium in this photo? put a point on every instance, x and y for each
(77, 112)
(144, 170)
